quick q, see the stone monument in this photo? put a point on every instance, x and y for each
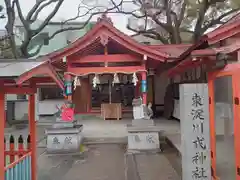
(143, 134)
(195, 131)
(65, 134)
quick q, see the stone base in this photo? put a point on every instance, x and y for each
(143, 141)
(62, 124)
(143, 122)
(64, 140)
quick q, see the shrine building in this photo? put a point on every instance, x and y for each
(106, 69)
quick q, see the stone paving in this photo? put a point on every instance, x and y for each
(99, 162)
(154, 167)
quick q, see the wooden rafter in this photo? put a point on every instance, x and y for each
(19, 90)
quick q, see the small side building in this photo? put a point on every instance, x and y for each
(48, 96)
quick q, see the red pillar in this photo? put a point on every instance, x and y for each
(144, 87)
(32, 127)
(2, 123)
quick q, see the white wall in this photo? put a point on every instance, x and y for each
(46, 107)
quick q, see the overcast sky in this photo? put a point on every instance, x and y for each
(68, 10)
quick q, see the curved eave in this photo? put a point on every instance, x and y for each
(42, 69)
(105, 28)
(224, 32)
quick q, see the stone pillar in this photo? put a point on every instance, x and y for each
(195, 131)
(37, 104)
(144, 87)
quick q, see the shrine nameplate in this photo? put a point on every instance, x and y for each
(143, 141)
(195, 132)
(59, 142)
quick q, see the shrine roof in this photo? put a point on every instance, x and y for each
(174, 50)
(14, 68)
(230, 28)
(102, 32)
(214, 51)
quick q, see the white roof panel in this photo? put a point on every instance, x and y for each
(13, 69)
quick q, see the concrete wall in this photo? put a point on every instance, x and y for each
(58, 42)
(46, 107)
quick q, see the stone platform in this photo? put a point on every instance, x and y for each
(143, 135)
(64, 139)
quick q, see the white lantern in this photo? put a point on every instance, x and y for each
(76, 82)
(115, 79)
(134, 79)
(96, 80)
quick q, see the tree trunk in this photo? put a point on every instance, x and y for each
(9, 26)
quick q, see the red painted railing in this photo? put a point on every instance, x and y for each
(17, 158)
(20, 169)
(15, 149)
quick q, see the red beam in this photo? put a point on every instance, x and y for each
(19, 90)
(106, 58)
(35, 80)
(102, 70)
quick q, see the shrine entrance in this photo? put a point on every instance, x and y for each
(224, 93)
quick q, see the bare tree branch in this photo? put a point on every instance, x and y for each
(46, 21)
(33, 9)
(150, 33)
(182, 12)
(25, 24)
(36, 52)
(9, 26)
(86, 22)
(38, 10)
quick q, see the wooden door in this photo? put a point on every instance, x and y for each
(81, 97)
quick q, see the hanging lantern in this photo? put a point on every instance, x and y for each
(115, 79)
(68, 84)
(134, 79)
(96, 80)
(76, 82)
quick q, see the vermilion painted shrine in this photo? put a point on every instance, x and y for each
(106, 50)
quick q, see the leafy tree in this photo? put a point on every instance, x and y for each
(13, 8)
